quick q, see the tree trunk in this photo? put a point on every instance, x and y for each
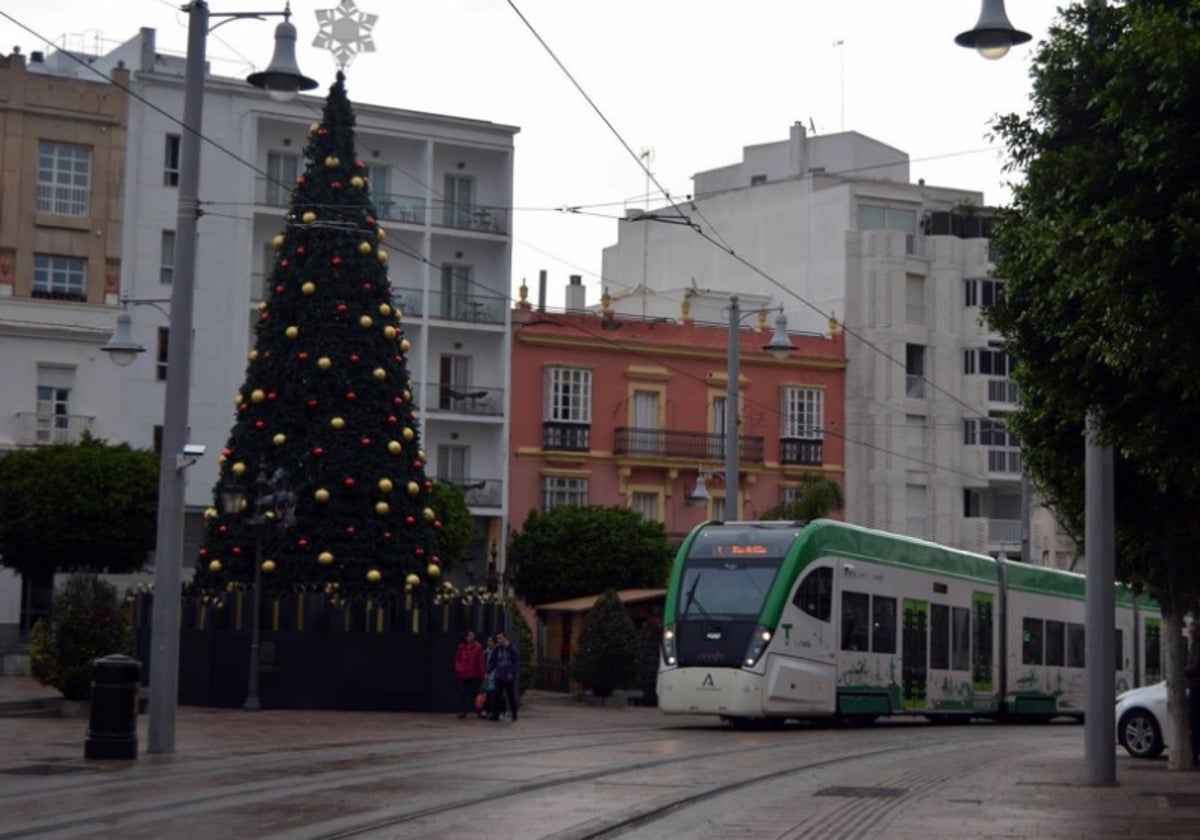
(1178, 736)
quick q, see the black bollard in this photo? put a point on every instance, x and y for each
(112, 726)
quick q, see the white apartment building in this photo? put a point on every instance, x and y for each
(840, 233)
(442, 186)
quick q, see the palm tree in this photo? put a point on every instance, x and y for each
(819, 496)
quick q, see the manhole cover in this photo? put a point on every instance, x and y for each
(862, 792)
(43, 770)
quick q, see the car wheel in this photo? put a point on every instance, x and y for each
(1140, 734)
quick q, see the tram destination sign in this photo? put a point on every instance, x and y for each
(744, 543)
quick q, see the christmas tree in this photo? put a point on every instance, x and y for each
(327, 407)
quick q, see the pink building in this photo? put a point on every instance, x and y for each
(613, 410)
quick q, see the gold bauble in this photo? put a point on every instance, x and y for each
(257, 396)
(412, 579)
(279, 439)
(409, 434)
(389, 332)
(268, 565)
(382, 508)
(433, 570)
(252, 355)
(381, 233)
(429, 514)
(214, 566)
(421, 454)
(365, 321)
(357, 182)
(394, 447)
(313, 128)
(278, 240)
(322, 495)
(237, 398)
(379, 373)
(309, 217)
(384, 309)
(383, 256)
(210, 513)
(324, 363)
(292, 332)
(374, 576)
(337, 423)
(413, 488)
(385, 485)
(325, 558)
(262, 306)
(364, 247)
(239, 468)
(332, 161)
(405, 345)
(308, 287)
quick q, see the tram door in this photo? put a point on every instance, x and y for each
(914, 671)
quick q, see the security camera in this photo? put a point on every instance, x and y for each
(193, 450)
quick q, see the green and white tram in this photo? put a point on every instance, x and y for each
(776, 620)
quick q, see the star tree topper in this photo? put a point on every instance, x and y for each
(345, 32)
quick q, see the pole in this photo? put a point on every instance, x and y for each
(733, 512)
(252, 702)
(1100, 606)
(168, 549)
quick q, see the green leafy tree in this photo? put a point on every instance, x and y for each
(524, 640)
(573, 551)
(328, 398)
(87, 506)
(458, 525)
(86, 623)
(1100, 252)
(819, 496)
(609, 647)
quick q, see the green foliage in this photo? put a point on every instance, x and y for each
(1100, 251)
(458, 526)
(327, 396)
(819, 496)
(609, 647)
(525, 644)
(84, 506)
(85, 623)
(574, 551)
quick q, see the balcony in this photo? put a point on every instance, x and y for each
(473, 217)
(1004, 531)
(464, 399)
(480, 492)
(1005, 461)
(38, 429)
(808, 452)
(566, 437)
(1002, 391)
(694, 446)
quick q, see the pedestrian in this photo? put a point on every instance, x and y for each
(469, 668)
(1192, 672)
(506, 670)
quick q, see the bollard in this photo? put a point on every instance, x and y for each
(112, 725)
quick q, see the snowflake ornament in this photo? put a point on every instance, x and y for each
(345, 32)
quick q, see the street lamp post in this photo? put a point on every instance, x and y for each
(281, 78)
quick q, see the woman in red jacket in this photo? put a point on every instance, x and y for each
(468, 666)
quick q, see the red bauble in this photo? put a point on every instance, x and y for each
(279, 289)
(336, 185)
(358, 164)
(237, 551)
(398, 358)
(370, 220)
(283, 263)
(318, 451)
(349, 482)
(322, 131)
(392, 419)
(437, 524)
(410, 520)
(262, 316)
(367, 287)
(222, 529)
(387, 535)
(350, 395)
(204, 552)
(429, 485)
(397, 400)
(303, 543)
(227, 452)
(341, 307)
(420, 552)
(300, 250)
(243, 407)
(366, 441)
(336, 260)
(300, 180)
(312, 403)
(435, 560)
(259, 424)
(271, 396)
(354, 357)
(350, 530)
(416, 465)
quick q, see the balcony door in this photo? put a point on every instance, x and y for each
(647, 422)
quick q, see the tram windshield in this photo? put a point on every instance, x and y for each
(730, 589)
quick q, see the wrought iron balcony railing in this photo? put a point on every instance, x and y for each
(698, 446)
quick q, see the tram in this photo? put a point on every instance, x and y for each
(778, 620)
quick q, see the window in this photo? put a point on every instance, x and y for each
(989, 361)
(982, 611)
(568, 395)
(1076, 646)
(803, 413)
(560, 491)
(646, 504)
(54, 404)
(282, 171)
(457, 193)
(757, 180)
(457, 299)
(379, 182)
(1032, 641)
(883, 624)
(939, 636)
(160, 365)
(719, 406)
(454, 389)
(1056, 643)
(814, 595)
(876, 217)
(166, 270)
(646, 437)
(914, 295)
(914, 437)
(978, 291)
(914, 370)
(960, 659)
(452, 463)
(717, 506)
(916, 506)
(868, 623)
(171, 161)
(972, 503)
(63, 278)
(64, 178)
(987, 431)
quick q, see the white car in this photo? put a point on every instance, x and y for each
(1142, 720)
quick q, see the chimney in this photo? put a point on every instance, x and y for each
(542, 291)
(37, 57)
(575, 294)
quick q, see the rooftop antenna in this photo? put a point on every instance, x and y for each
(647, 158)
(841, 44)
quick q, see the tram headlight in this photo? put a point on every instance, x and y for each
(758, 645)
(668, 645)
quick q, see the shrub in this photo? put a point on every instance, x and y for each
(524, 640)
(608, 653)
(86, 622)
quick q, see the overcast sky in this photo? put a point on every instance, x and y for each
(692, 80)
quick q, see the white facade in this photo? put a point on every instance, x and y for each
(841, 233)
(459, 331)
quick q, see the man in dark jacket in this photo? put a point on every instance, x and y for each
(506, 670)
(1192, 672)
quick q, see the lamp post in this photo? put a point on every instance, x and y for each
(780, 345)
(281, 79)
(993, 35)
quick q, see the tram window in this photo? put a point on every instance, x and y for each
(856, 624)
(1055, 643)
(883, 629)
(961, 660)
(1119, 649)
(1076, 645)
(815, 594)
(1032, 630)
(939, 636)
(982, 624)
